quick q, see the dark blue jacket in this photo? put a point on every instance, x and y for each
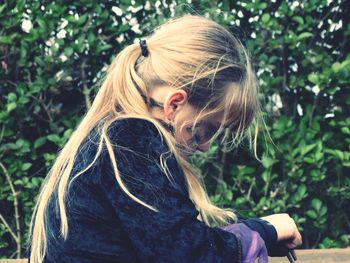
(106, 225)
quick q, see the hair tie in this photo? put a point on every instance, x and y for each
(143, 45)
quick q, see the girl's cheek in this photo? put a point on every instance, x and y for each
(183, 137)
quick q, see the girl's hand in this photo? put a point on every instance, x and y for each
(287, 231)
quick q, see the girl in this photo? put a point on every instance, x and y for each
(122, 190)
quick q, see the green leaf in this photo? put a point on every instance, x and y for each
(336, 67)
(246, 170)
(10, 107)
(298, 19)
(41, 23)
(262, 6)
(20, 5)
(5, 40)
(68, 51)
(323, 211)
(229, 195)
(312, 214)
(267, 162)
(23, 100)
(101, 48)
(336, 153)
(345, 64)
(67, 133)
(316, 204)
(313, 77)
(265, 176)
(309, 160)
(319, 156)
(12, 97)
(123, 28)
(54, 138)
(82, 19)
(39, 142)
(25, 166)
(36, 181)
(301, 193)
(265, 17)
(307, 148)
(2, 7)
(345, 130)
(91, 38)
(305, 35)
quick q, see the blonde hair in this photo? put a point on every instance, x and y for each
(190, 52)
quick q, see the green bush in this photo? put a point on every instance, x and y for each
(53, 54)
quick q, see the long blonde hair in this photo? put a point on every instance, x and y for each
(190, 52)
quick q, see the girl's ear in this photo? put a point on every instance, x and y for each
(173, 103)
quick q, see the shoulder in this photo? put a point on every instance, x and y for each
(133, 121)
(132, 125)
(136, 132)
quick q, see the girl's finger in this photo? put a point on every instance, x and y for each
(297, 241)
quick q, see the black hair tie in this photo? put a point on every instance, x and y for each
(143, 45)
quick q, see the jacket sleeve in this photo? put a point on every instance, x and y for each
(267, 232)
(173, 234)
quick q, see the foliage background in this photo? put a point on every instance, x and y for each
(52, 54)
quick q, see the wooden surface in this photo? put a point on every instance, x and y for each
(13, 260)
(307, 256)
(319, 256)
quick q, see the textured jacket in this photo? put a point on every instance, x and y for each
(106, 225)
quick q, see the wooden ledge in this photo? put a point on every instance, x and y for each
(319, 256)
(307, 256)
(13, 260)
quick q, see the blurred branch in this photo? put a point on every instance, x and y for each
(250, 189)
(88, 22)
(2, 132)
(286, 104)
(107, 38)
(222, 163)
(17, 236)
(343, 47)
(317, 240)
(314, 105)
(8, 227)
(86, 90)
(42, 102)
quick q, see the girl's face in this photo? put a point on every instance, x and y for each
(181, 115)
(198, 137)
